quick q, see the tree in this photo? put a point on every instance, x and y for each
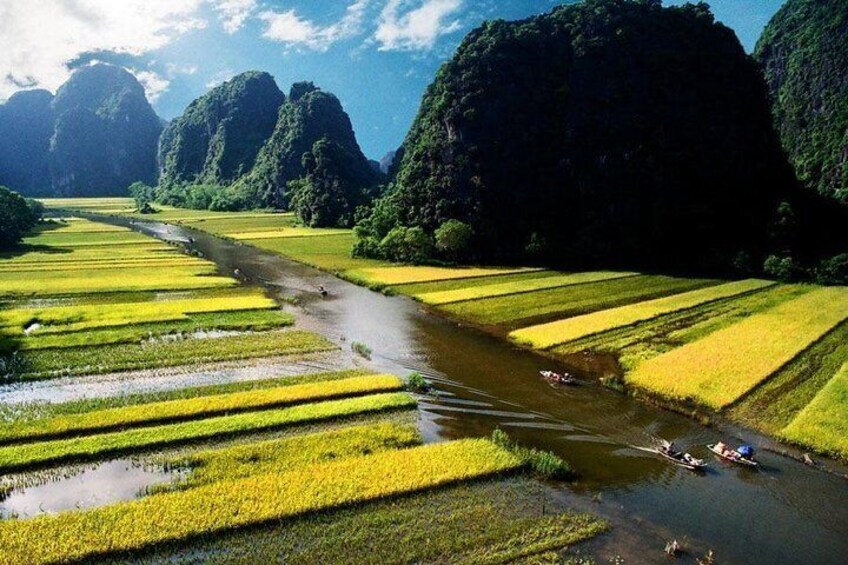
(144, 196)
(453, 238)
(16, 217)
(407, 245)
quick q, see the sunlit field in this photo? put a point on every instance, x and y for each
(315, 450)
(717, 344)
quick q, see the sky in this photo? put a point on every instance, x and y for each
(377, 56)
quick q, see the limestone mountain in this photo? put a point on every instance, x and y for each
(218, 137)
(613, 132)
(804, 54)
(97, 136)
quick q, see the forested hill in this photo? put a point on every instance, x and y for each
(804, 53)
(606, 132)
(246, 145)
(218, 137)
(95, 137)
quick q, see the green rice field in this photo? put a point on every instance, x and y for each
(317, 449)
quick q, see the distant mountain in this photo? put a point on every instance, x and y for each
(608, 132)
(95, 137)
(804, 53)
(387, 161)
(27, 123)
(218, 137)
(308, 116)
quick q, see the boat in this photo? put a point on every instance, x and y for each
(684, 460)
(559, 378)
(679, 458)
(744, 455)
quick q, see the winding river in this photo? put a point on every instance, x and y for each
(787, 513)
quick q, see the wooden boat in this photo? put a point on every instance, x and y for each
(559, 378)
(734, 457)
(678, 458)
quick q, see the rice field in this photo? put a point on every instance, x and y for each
(720, 368)
(759, 350)
(93, 447)
(554, 333)
(254, 500)
(204, 406)
(823, 423)
(514, 287)
(85, 298)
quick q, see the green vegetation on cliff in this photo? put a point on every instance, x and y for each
(600, 133)
(804, 53)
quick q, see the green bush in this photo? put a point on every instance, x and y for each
(781, 268)
(416, 382)
(543, 463)
(453, 239)
(833, 270)
(407, 245)
(16, 217)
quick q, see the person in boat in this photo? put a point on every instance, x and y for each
(322, 291)
(669, 448)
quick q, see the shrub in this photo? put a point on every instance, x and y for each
(16, 217)
(361, 349)
(780, 268)
(144, 196)
(453, 239)
(544, 463)
(407, 245)
(833, 270)
(416, 383)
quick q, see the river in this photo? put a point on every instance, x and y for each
(786, 513)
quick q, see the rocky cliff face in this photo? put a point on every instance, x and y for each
(97, 136)
(804, 54)
(217, 139)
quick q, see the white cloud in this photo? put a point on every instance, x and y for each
(294, 31)
(220, 77)
(154, 84)
(39, 37)
(403, 27)
(234, 13)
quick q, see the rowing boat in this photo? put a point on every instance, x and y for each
(734, 457)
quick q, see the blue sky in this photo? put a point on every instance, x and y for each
(378, 56)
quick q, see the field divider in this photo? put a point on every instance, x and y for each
(113, 444)
(545, 336)
(174, 411)
(227, 505)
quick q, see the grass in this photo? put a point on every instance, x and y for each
(515, 287)
(52, 363)
(17, 414)
(201, 407)
(548, 335)
(823, 424)
(15, 457)
(518, 310)
(477, 522)
(281, 455)
(255, 500)
(390, 276)
(720, 368)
